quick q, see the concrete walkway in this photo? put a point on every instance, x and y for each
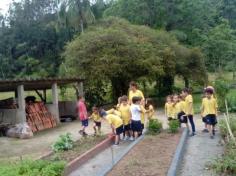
(103, 160)
(200, 150)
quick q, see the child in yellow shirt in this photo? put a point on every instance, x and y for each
(149, 108)
(189, 108)
(116, 125)
(169, 107)
(124, 109)
(97, 120)
(209, 110)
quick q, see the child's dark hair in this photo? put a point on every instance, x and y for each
(169, 96)
(136, 99)
(209, 91)
(80, 96)
(187, 90)
(95, 108)
(149, 102)
(134, 84)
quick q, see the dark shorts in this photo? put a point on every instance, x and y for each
(204, 120)
(119, 130)
(136, 126)
(98, 124)
(84, 122)
(127, 127)
(211, 119)
(142, 125)
(170, 118)
(182, 117)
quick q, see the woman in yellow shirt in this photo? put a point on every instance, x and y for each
(134, 92)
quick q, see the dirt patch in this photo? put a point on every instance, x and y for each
(80, 147)
(151, 157)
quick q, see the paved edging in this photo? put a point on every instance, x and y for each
(77, 162)
(176, 161)
(107, 169)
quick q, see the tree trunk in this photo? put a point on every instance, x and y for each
(119, 88)
(166, 85)
(186, 82)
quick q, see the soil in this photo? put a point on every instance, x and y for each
(151, 157)
(80, 147)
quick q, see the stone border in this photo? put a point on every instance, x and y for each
(107, 169)
(82, 159)
(178, 154)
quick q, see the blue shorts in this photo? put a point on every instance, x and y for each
(136, 126)
(211, 119)
(127, 127)
(84, 123)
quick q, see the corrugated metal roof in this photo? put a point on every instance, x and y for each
(35, 84)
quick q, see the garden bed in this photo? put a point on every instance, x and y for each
(152, 156)
(80, 147)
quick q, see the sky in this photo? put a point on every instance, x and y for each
(4, 5)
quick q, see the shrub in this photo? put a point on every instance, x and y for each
(231, 103)
(33, 168)
(64, 143)
(222, 89)
(154, 126)
(223, 127)
(226, 165)
(173, 126)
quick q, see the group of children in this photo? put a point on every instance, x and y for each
(180, 107)
(127, 117)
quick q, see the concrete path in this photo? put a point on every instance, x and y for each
(100, 162)
(200, 150)
(40, 144)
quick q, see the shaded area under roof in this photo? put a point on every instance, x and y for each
(36, 84)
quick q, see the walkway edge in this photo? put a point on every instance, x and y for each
(107, 169)
(176, 161)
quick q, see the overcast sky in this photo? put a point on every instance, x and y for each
(4, 5)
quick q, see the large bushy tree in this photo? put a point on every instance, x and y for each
(116, 52)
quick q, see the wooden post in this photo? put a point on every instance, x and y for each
(55, 102)
(81, 89)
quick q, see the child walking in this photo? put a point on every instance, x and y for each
(136, 111)
(97, 120)
(83, 115)
(116, 125)
(189, 108)
(169, 107)
(209, 108)
(124, 109)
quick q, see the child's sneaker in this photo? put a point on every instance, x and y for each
(205, 131)
(131, 139)
(116, 145)
(214, 132)
(126, 138)
(85, 134)
(81, 132)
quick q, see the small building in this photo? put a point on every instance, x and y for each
(56, 108)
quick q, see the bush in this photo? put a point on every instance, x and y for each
(64, 143)
(154, 126)
(223, 127)
(231, 103)
(226, 165)
(222, 89)
(174, 126)
(33, 168)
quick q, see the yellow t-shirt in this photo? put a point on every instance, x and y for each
(143, 114)
(209, 106)
(114, 120)
(125, 113)
(176, 110)
(137, 93)
(182, 106)
(169, 109)
(188, 101)
(113, 111)
(96, 117)
(150, 112)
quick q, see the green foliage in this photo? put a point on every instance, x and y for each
(64, 142)
(174, 126)
(154, 126)
(226, 164)
(33, 168)
(231, 103)
(116, 52)
(222, 89)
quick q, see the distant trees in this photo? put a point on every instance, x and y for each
(116, 52)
